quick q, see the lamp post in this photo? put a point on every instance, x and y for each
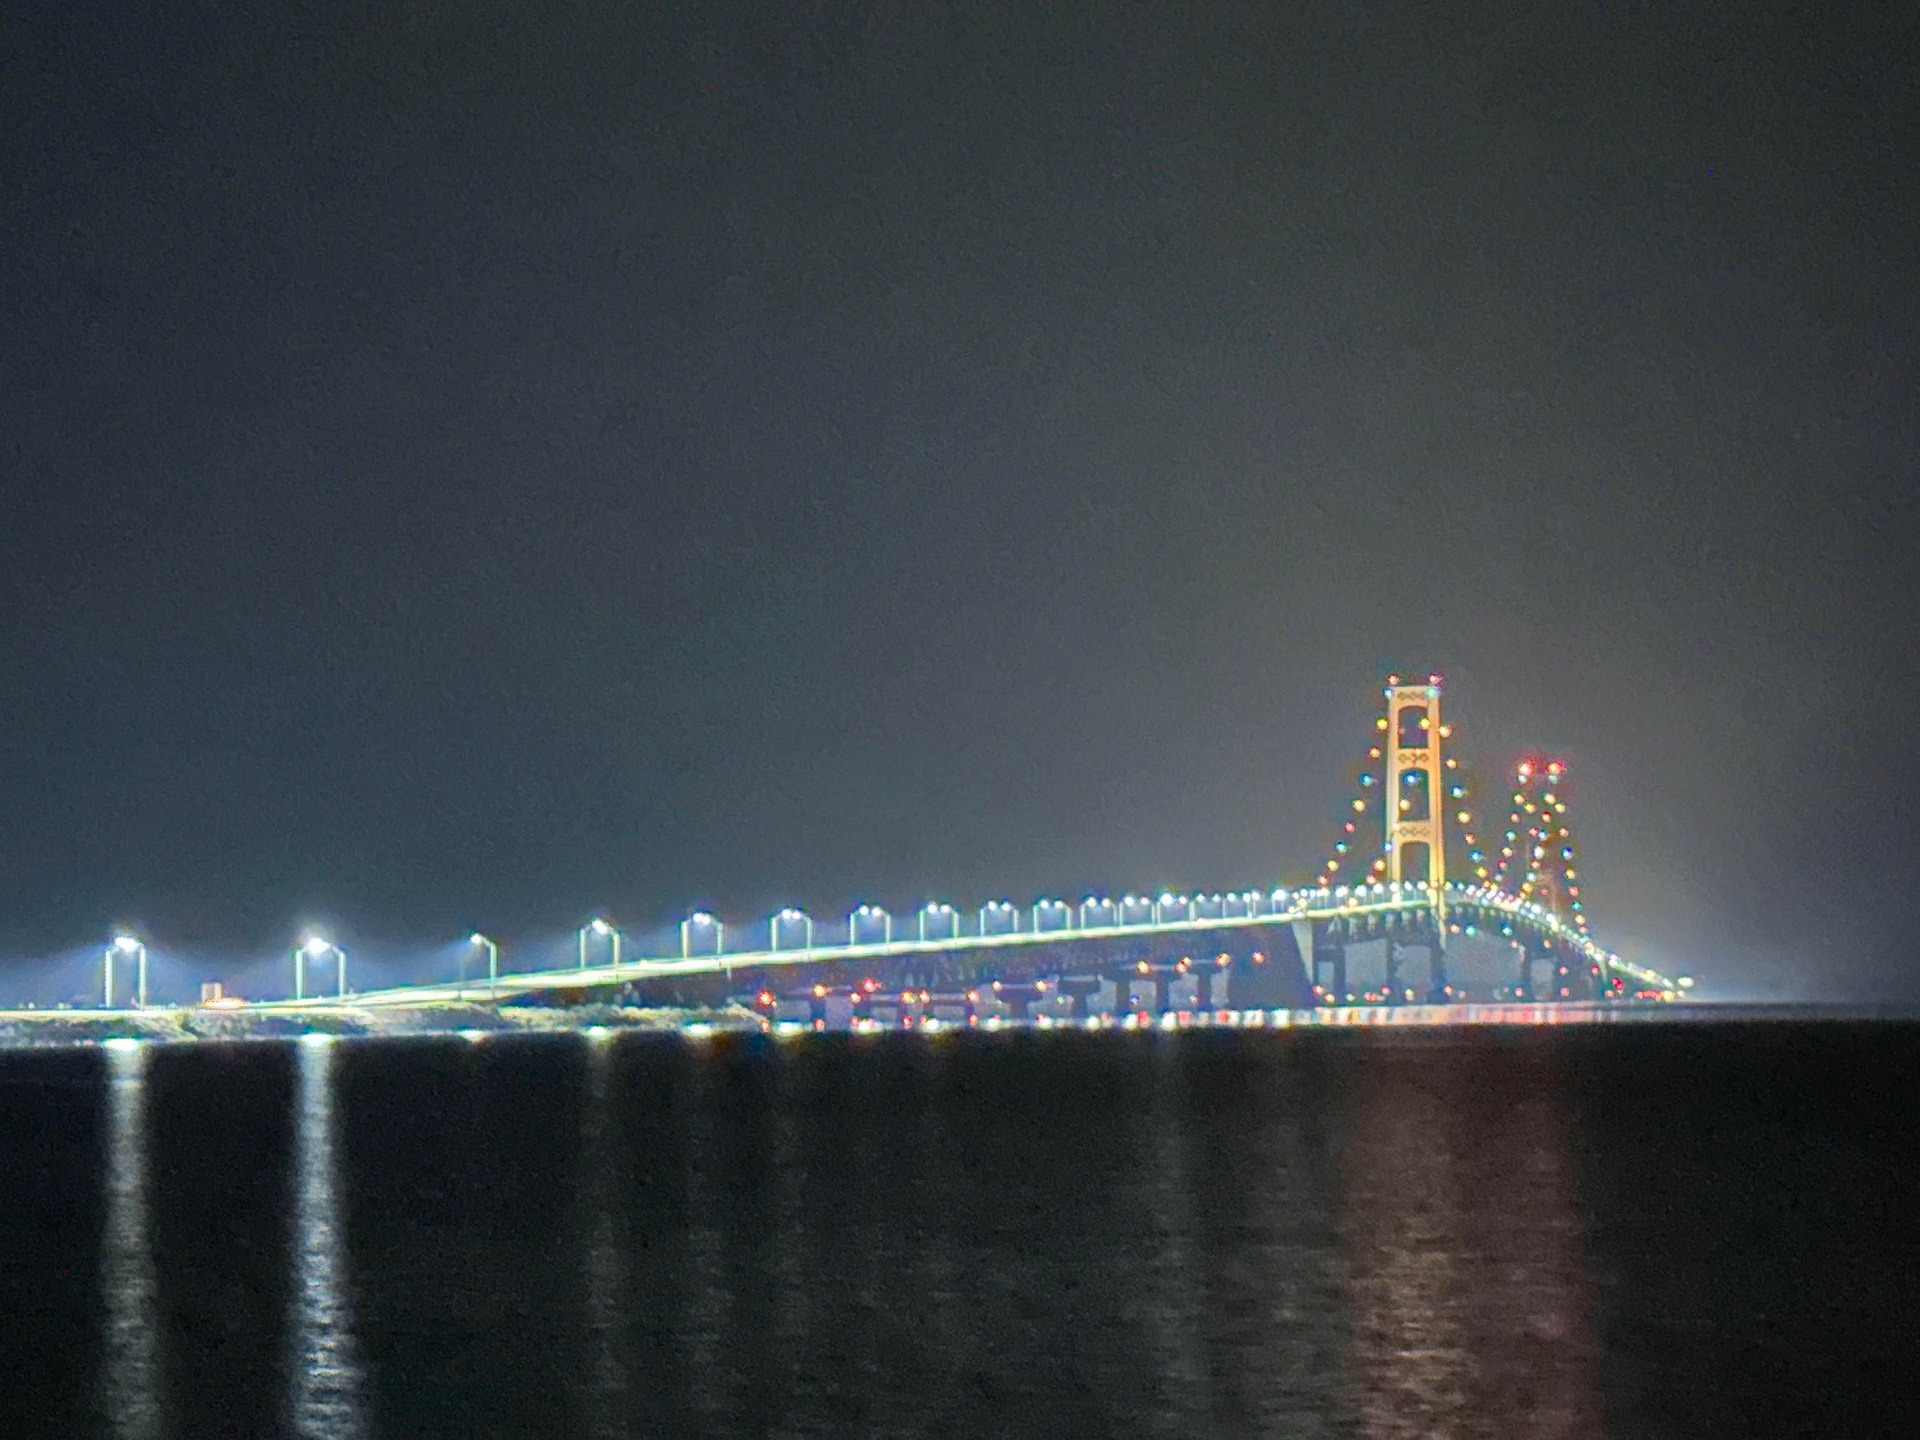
(316, 947)
(868, 914)
(789, 916)
(701, 920)
(1096, 903)
(125, 945)
(996, 910)
(1168, 902)
(597, 926)
(1045, 907)
(493, 965)
(939, 910)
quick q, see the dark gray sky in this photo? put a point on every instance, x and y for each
(478, 463)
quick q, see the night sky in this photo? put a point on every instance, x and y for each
(476, 464)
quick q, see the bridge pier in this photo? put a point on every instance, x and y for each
(1528, 957)
(1018, 998)
(1330, 963)
(1080, 990)
(1203, 986)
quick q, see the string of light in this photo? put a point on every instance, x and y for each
(1358, 804)
(1544, 848)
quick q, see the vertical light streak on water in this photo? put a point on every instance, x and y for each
(1171, 1285)
(795, 1322)
(934, 1265)
(704, 1325)
(606, 1267)
(1408, 1266)
(326, 1379)
(126, 1263)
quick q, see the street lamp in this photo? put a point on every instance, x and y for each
(701, 920)
(869, 915)
(316, 947)
(940, 910)
(1097, 902)
(125, 945)
(998, 912)
(1167, 902)
(597, 926)
(789, 916)
(493, 965)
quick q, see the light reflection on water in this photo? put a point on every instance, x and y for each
(707, 1315)
(606, 1265)
(1165, 1301)
(127, 1281)
(326, 1376)
(999, 1235)
(1467, 1288)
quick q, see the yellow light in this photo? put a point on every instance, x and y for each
(1463, 817)
(1359, 805)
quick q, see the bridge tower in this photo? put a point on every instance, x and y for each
(1415, 819)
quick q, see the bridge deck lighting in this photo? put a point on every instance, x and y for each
(493, 965)
(607, 932)
(314, 948)
(125, 945)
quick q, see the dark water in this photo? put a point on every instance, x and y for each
(1644, 1231)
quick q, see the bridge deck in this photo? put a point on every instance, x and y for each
(1309, 908)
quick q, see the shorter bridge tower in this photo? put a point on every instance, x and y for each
(1538, 864)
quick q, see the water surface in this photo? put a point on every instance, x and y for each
(1634, 1231)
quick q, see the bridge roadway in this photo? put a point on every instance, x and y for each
(1472, 904)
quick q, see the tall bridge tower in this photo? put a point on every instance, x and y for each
(1415, 818)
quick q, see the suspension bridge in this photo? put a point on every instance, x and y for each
(1431, 885)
